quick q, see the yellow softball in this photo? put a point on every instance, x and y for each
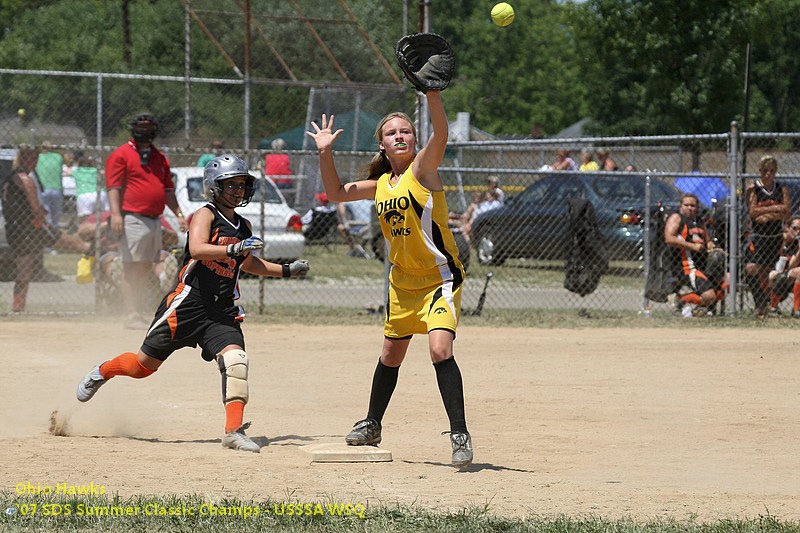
(503, 14)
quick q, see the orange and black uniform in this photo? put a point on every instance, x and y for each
(688, 265)
(766, 239)
(202, 310)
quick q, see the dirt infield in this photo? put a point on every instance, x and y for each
(604, 422)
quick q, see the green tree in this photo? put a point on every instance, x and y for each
(775, 71)
(86, 35)
(656, 67)
(512, 78)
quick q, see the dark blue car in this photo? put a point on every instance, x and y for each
(534, 223)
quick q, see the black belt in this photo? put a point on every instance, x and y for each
(140, 214)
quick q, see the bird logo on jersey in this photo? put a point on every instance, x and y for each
(394, 217)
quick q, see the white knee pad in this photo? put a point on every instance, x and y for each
(233, 366)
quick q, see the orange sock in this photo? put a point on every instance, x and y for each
(692, 298)
(126, 364)
(796, 292)
(234, 414)
(774, 299)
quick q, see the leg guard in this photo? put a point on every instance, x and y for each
(233, 366)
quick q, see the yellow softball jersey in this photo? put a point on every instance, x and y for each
(414, 221)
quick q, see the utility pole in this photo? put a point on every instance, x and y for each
(126, 34)
(423, 115)
(746, 113)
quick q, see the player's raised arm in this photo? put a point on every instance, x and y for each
(426, 164)
(324, 136)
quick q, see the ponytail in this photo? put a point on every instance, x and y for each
(378, 166)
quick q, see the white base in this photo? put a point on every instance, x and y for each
(334, 452)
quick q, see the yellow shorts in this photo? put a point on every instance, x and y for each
(419, 303)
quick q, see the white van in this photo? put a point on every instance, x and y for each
(282, 229)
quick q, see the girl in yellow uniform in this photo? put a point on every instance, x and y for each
(426, 276)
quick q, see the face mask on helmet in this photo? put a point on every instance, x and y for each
(226, 192)
(144, 128)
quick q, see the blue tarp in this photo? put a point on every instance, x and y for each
(705, 188)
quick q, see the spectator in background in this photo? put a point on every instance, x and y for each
(26, 223)
(215, 148)
(139, 185)
(354, 220)
(111, 266)
(86, 184)
(319, 221)
(483, 201)
(630, 168)
(768, 204)
(588, 164)
(278, 165)
(604, 160)
(493, 185)
(49, 170)
(564, 161)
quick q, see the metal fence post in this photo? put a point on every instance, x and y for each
(261, 217)
(101, 183)
(459, 180)
(187, 74)
(733, 219)
(646, 247)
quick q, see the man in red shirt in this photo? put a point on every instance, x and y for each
(139, 184)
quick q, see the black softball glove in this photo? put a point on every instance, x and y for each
(427, 60)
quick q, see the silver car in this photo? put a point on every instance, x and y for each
(282, 229)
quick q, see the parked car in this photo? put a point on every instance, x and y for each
(534, 223)
(283, 231)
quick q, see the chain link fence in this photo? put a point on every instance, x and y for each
(522, 237)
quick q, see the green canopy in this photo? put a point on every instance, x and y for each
(366, 142)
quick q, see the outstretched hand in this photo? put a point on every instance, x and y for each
(245, 246)
(324, 136)
(296, 269)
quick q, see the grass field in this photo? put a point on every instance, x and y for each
(194, 513)
(338, 266)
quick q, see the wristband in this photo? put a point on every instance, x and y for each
(286, 270)
(229, 251)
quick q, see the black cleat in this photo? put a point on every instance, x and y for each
(364, 432)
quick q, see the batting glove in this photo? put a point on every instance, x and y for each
(245, 246)
(295, 269)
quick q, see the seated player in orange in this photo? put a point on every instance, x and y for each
(690, 244)
(202, 309)
(785, 275)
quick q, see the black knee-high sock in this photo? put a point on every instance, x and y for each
(759, 296)
(383, 384)
(452, 389)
